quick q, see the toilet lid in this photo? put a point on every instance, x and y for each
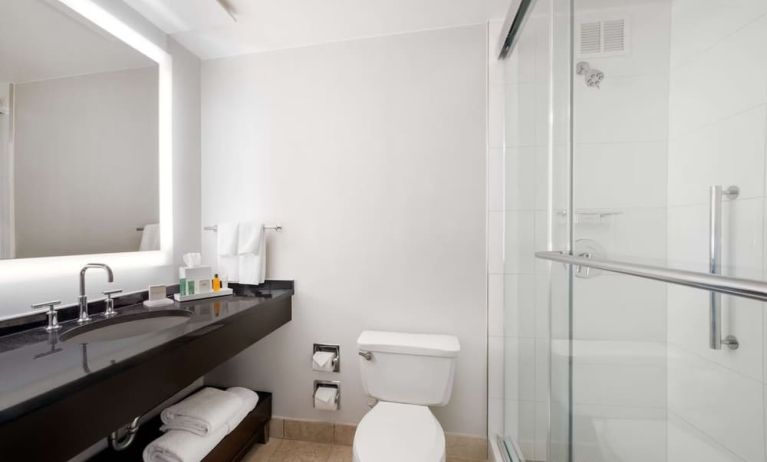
(399, 432)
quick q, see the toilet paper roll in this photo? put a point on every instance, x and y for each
(325, 398)
(323, 361)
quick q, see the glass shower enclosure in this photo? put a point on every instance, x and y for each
(634, 233)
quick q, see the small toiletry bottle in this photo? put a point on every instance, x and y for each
(181, 282)
(190, 287)
(216, 283)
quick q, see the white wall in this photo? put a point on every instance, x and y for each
(371, 154)
(16, 297)
(83, 145)
(718, 131)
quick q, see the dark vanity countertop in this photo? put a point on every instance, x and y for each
(35, 364)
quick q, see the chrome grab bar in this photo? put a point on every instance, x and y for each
(715, 265)
(747, 288)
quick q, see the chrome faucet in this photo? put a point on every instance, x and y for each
(83, 299)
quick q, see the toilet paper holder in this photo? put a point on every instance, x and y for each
(328, 384)
(329, 348)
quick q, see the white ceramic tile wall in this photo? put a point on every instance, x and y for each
(372, 155)
(718, 133)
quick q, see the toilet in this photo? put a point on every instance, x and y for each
(406, 373)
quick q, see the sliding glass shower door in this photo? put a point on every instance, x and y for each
(669, 120)
(636, 138)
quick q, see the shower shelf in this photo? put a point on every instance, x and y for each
(590, 216)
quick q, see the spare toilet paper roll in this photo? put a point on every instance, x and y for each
(325, 398)
(323, 361)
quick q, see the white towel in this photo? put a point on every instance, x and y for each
(203, 413)
(150, 238)
(227, 239)
(249, 402)
(182, 446)
(226, 249)
(252, 253)
(249, 238)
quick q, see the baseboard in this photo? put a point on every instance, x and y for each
(457, 445)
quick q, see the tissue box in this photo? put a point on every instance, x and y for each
(196, 273)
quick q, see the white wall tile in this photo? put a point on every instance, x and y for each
(686, 443)
(613, 175)
(521, 182)
(729, 152)
(618, 433)
(700, 24)
(519, 242)
(615, 307)
(725, 405)
(495, 179)
(495, 379)
(519, 302)
(688, 328)
(612, 113)
(495, 305)
(702, 94)
(619, 374)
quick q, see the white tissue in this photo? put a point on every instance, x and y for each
(323, 361)
(192, 259)
(325, 398)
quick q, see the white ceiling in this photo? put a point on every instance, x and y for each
(206, 29)
(42, 39)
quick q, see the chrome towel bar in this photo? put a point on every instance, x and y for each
(747, 288)
(272, 227)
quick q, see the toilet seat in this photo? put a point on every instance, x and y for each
(399, 432)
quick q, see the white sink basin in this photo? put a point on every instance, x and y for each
(127, 325)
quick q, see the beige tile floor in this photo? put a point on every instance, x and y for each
(278, 450)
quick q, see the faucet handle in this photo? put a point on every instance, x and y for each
(53, 322)
(109, 311)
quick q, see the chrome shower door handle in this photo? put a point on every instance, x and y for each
(717, 194)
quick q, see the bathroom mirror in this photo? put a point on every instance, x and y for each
(79, 136)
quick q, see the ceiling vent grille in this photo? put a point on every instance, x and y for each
(602, 37)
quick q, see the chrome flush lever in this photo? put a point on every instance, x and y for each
(366, 354)
(715, 266)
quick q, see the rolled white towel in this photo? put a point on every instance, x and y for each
(182, 446)
(249, 402)
(203, 413)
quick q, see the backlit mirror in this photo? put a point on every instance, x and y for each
(78, 137)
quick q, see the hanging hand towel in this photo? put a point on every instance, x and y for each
(182, 446)
(226, 248)
(252, 253)
(150, 238)
(203, 413)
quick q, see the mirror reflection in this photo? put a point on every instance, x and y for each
(78, 137)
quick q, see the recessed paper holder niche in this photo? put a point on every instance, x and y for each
(328, 385)
(326, 357)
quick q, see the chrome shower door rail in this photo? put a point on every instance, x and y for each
(747, 288)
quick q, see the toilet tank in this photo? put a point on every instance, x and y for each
(408, 368)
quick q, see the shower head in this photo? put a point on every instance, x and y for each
(593, 77)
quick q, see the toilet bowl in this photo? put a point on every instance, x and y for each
(406, 373)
